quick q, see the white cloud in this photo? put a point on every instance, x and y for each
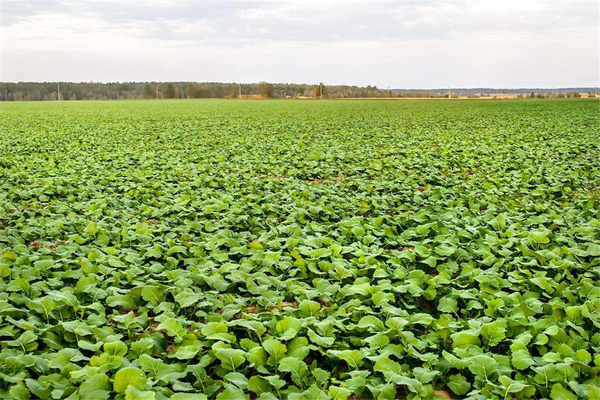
(405, 43)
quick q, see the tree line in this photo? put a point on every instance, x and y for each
(48, 91)
(40, 91)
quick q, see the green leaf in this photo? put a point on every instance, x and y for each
(275, 349)
(154, 295)
(230, 358)
(186, 299)
(385, 365)
(321, 253)
(455, 361)
(421, 319)
(118, 349)
(309, 308)
(258, 385)
(43, 306)
(371, 323)
(539, 236)
(131, 393)
(448, 305)
(288, 328)
(320, 340)
(321, 376)
(298, 348)
(499, 223)
(482, 366)
(187, 349)
(26, 342)
(19, 392)
(339, 393)
(463, 340)
(188, 396)
(493, 333)
(217, 331)
(150, 364)
(445, 250)
(511, 386)
(237, 379)
(521, 359)
(173, 329)
(312, 393)
(297, 369)
(129, 376)
(458, 384)
(232, 393)
(353, 358)
(559, 392)
(95, 387)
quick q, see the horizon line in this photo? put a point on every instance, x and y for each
(303, 83)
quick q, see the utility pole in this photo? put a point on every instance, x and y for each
(58, 97)
(449, 93)
(156, 92)
(240, 90)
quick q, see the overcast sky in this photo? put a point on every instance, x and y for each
(388, 43)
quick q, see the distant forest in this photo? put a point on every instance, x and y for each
(526, 92)
(36, 91)
(40, 91)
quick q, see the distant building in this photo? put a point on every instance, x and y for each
(252, 96)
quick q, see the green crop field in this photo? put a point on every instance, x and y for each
(300, 249)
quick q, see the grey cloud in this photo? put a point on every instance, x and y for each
(239, 22)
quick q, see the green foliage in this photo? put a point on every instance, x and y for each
(299, 250)
(129, 377)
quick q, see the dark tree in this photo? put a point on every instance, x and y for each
(170, 92)
(149, 92)
(265, 89)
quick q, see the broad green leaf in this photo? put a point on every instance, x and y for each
(129, 377)
(258, 385)
(309, 308)
(448, 305)
(493, 333)
(458, 384)
(275, 349)
(483, 366)
(559, 392)
(339, 393)
(511, 386)
(96, 387)
(297, 369)
(173, 328)
(154, 295)
(288, 328)
(465, 340)
(132, 393)
(499, 222)
(352, 357)
(371, 323)
(521, 359)
(230, 358)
